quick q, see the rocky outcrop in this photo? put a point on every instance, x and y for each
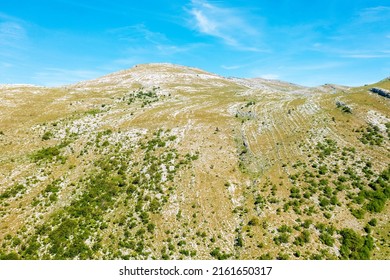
(381, 92)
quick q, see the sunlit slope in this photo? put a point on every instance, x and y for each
(164, 161)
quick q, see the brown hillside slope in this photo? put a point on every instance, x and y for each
(166, 162)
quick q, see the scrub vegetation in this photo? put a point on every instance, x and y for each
(170, 162)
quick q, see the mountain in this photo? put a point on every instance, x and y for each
(167, 162)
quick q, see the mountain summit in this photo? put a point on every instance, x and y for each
(169, 162)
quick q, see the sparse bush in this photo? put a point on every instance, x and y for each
(9, 256)
(354, 246)
(282, 256)
(295, 193)
(49, 154)
(344, 107)
(372, 136)
(373, 222)
(303, 238)
(326, 148)
(284, 228)
(282, 238)
(218, 254)
(239, 241)
(47, 135)
(358, 213)
(306, 224)
(13, 191)
(327, 239)
(254, 221)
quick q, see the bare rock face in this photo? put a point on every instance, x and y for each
(381, 92)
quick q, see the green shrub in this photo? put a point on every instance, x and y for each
(354, 246)
(295, 193)
(373, 222)
(326, 148)
(303, 238)
(253, 222)
(284, 228)
(327, 239)
(151, 227)
(49, 154)
(47, 135)
(9, 256)
(372, 136)
(324, 202)
(239, 241)
(282, 238)
(358, 213)
(282, 256)
(13, 191)
(218, 254)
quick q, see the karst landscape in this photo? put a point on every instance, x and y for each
(162, 161)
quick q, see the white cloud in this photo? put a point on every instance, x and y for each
(242, 65)
(11, 33)
(231, 67)
(365, 53)
(270, 76)
(143, 40)
(127, 61)
(316, 66)
(227, 24)
(6, 64)
(137, 33)
(167, 49)
(374, 14)
(366, 56)
(144, 45)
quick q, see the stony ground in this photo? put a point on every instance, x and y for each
(169, 162)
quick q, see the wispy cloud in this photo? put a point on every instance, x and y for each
(14, 42)
(366, 52)
(319, 66)
(354, 48)
(12, 31)
(142, 44)
(248, 63)
(143, 40)
(135, 33)
(374, 14)
(226, 24)
(265, 73)
(231, 67)
(366, 55)
(270, 76)
(6, 64)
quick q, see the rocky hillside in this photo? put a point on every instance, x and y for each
(169, 162)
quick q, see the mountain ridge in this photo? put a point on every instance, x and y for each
(170, 67)
(164, 67)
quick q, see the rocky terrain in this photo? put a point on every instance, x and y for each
(169, 162)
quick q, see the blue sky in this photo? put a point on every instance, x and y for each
(56, 42)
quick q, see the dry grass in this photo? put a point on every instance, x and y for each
(276, 124)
